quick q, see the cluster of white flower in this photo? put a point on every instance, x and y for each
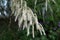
(25, 17)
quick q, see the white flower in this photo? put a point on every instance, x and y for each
(25, 15)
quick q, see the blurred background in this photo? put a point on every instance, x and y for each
(50, 20)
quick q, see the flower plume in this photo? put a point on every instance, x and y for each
(25, 16)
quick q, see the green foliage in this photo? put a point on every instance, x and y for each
(49, 21)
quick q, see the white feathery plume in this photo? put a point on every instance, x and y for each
(28, 28)
(26, 17)
(33, 30)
